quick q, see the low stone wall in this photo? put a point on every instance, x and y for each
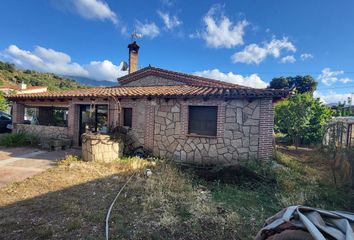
(99, 147)
(43, 131)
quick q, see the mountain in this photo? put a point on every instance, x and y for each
(92, 82)
(10, 75)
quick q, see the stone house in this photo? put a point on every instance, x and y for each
(175, 115)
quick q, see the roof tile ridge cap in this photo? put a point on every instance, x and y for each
(188, 75)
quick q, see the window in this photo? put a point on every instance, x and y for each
(48, 116)
(127, 117)
(202, 120)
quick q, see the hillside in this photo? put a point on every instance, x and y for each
(10, 75)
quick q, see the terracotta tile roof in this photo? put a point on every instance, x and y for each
(156, 91)
(188, 79)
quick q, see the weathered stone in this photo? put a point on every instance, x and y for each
(228, 134)
(222, 150)
(230, 113)
(171, 126)
(212, 151)
(228, 156)
(237, 143)
(254, 140)
(255, 129)
(176, 117)
(187, 148)
(246, 131)
(239, 116)
(175, 109)
(170, 132)
(171, 139)
(251, 122)
(206, 146)
(247, 111)
(200, 146)
(254, 148)
(238, 135)
(256, 113)
(162, 114)
(242, 150)
(160, 120)
(246, 142)
(170, 116)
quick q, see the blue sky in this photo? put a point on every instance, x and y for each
(246, 42)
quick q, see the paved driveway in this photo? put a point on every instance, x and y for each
(17, 164)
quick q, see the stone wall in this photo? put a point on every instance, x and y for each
(100, 147)
(43, 131)
(238, 131)
(153, 81)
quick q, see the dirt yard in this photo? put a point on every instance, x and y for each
(70, 200)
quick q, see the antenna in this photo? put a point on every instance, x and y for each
(124, 66)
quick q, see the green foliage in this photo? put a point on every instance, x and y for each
(303, 84)
(3, 102)
(10, 75)
(301, 118)
(18, 139)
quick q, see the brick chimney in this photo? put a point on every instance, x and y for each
(133, 57)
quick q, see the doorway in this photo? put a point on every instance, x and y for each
(93, 118)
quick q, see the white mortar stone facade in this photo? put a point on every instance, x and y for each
(43, 131)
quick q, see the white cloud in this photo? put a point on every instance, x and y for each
(95, 9)
(169, 21)
(49, 60)
(252, 80)
(104, 70)
(329, 77)
(306, 56)
(332, 97)
(147, 29)
(288, 59)
(219, 31)
(254, 53)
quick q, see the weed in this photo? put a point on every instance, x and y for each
(18, 139)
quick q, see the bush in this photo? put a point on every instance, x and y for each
(18, 139)
(302, 119)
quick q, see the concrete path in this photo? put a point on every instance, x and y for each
(20, 167)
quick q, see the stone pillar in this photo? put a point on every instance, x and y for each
(73, 123)
(266, 127)
(149, 126)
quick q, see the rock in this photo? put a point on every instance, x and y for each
(175, 109)
(212, 151)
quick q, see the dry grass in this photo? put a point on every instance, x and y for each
(65, 202)
(70, 201)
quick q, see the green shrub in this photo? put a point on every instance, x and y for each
(18, 139)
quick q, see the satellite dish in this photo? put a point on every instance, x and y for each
(124, 66)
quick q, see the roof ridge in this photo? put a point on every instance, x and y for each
(199, 81)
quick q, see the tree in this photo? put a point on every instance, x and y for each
(303, 84)
(301, 118)
(3, 102)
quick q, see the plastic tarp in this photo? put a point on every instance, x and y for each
(321, 224)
